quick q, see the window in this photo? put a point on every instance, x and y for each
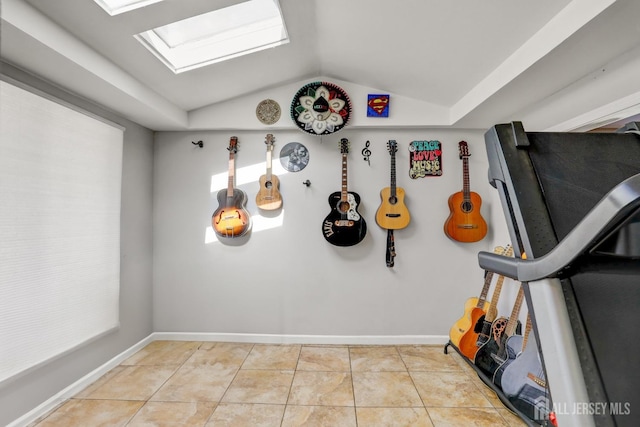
(216, 36)
(60, 185)
(115, 7)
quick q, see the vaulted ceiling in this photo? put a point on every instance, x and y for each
(553, 64)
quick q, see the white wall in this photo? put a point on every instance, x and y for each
(289, 280)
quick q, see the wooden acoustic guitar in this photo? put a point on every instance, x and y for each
(392, 213)
(231, 219)
(465, 223)
(344, 226)
(269, 197)
(471, 323)
(500, 346)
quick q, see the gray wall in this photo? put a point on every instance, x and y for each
(289, 280)
(27, 391)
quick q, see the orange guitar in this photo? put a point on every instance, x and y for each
(231, 219)
(474, 309)
(465, 223)
(469, 340)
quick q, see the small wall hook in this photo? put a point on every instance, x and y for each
(199, 143)
(307, 183)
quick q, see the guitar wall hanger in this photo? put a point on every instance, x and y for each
(199, 143)
(307, 183)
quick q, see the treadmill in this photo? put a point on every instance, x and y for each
(572, 204)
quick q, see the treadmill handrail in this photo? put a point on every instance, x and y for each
(621, 202)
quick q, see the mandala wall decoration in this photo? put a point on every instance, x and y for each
(268, 111)
(321, 108)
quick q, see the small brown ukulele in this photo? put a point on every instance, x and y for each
(269, 197)
(465, 223)
(231, 219)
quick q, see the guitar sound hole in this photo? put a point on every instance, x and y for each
(268, 185)
(393, 200)
(343, 207)
(466, 207)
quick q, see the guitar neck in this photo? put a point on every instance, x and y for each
(510, 329)
(490, 317)
(344, 193)
(527, 331)
(231, 174)
(485, 289)
(393, 174)
(466, 187)
(269, 168)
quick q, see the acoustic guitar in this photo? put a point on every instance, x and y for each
(392, 213)
(465, 223)
(344, 226)
(269, 197)
(468, 343)
(500, 346)
(524, 381)
(485, 323)
(231, 219)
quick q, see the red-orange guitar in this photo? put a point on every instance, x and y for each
(465, 223)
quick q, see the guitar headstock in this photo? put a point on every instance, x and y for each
(269, 139)
(504, 251)
(344, 146)
(392, 146)
(233, 144)
(464, 149)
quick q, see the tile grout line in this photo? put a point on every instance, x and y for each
(165, 381)
(230, 382)
(295, 370)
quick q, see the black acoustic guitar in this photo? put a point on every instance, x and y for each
(500, 347)
(344, 226)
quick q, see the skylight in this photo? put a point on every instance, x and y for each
(115, 7)
(216, 36)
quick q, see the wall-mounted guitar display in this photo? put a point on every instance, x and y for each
(344, 226)
(465, 223)
(231, 219)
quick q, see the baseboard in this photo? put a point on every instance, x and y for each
(304, 339)
(73, 389)
(91, 377)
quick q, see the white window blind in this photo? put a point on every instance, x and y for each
(60, 185)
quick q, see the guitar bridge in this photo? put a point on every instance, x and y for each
(393, 215)
(467, 226)
(344, 223)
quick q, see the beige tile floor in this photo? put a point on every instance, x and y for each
(177, 383)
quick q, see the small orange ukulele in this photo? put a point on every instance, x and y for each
(465, 223)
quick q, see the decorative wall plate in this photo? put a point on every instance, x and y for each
(321, 108)
(268, 111)
(294, 156)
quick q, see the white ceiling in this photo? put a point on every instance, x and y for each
(552, 64)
